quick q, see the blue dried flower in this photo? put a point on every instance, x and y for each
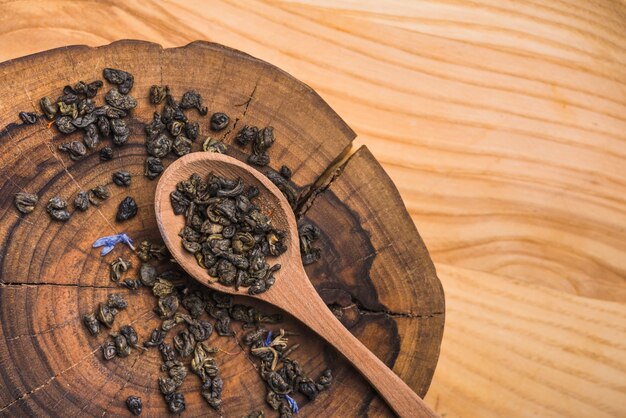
(292, 403)
(109, 242)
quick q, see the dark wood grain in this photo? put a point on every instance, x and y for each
(51, 276)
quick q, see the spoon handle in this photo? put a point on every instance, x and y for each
(398, 395)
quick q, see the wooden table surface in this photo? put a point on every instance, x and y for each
(503, 124)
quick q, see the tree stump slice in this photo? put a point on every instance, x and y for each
(375, 272)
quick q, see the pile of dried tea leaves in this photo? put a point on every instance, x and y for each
(105, 313)
(76, 110)
(189, 316)
(227, 233)
(282, 375)
(170, 130)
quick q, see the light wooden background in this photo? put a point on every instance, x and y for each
(503, 124)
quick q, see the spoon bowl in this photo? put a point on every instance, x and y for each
(292, 291)
(270, 200)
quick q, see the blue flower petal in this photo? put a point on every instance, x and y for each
(106, 250)
(103, 241)
(268, 339)
(293, 404)
(109, 242)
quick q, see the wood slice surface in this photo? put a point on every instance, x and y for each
(375, 271)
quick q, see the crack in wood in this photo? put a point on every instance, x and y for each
(245, 110)
(374, 253)
(246, 104)
(355, 303)
(323, 182)
(393, 314)
(39, 284)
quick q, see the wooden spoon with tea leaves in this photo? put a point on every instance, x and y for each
(292, 291)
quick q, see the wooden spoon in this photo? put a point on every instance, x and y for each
(292, 292)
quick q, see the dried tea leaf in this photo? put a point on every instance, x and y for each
(192, 130)
(285, 187)
(133, 403)
(201, 330)
(28, 118)
(105, 314)
(120, 131)
(167, 385)
(117, 267)
(246, 135)
(212, 392)
(158, 93)
(153, 167)
(214, 145)
(175, 402)
(97, 194)
(106, 154)
(75, 149)
(159, 147)
(92, 324)
(156, 338)
(56, 209)
(147, 275)
(184, 343)
(117, 301)
(91, 139)
(167, 306)
(88, 89)
(25, 202)
(175, 128)
(132, 284)
(127, 209)
(83, 121)
(193, 99)
(48, 108)
(182, 145)
(130, 334)
(260, 146)
(122, 349)
(123, 79)
(219, 121)
(122, 178)
(162, 287)
(81, 201)
(108, 350)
